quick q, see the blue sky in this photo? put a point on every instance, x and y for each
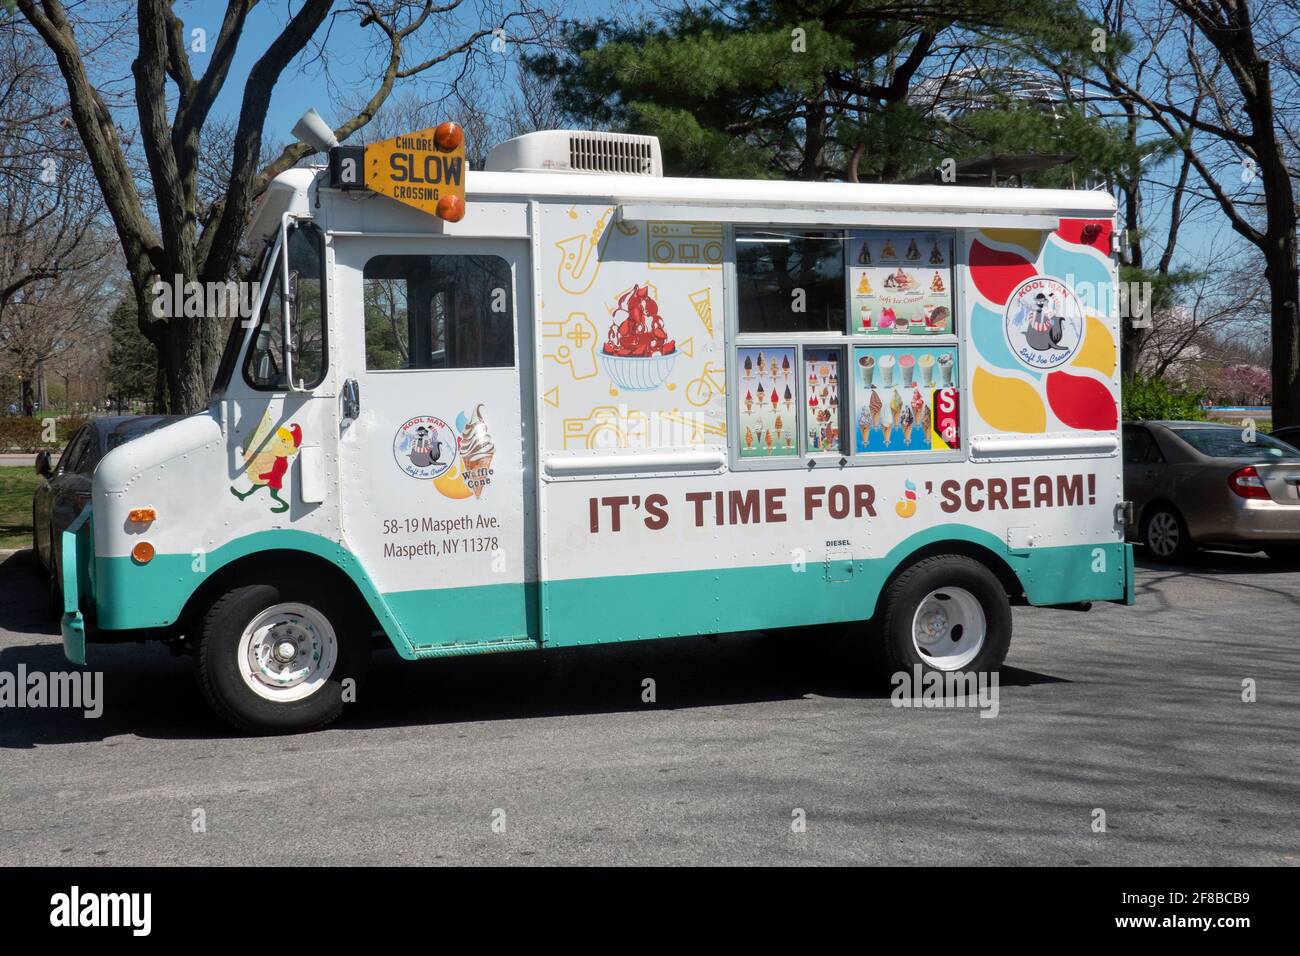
(351, 50)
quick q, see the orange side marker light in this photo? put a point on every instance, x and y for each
(143, 552)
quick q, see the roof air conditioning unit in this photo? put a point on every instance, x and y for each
(572, 151)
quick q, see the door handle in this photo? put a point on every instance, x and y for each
(351, 398)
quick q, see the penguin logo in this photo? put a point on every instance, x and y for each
(1043, 323)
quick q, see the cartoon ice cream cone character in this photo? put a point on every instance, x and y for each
(477, 449)
(267, 459)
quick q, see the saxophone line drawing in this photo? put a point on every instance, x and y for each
(580, 256)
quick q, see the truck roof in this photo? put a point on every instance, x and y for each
(780, 193)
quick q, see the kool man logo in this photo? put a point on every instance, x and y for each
(1043, 323)
(425, 447)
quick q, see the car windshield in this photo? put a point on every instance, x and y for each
(1230, 443)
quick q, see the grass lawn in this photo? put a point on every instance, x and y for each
(17, 482)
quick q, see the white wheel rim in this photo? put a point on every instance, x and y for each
(949, 628)
(1163, 534)
(287, 652)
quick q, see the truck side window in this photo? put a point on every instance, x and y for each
(438, 312)
(790, 282)
(262, 368)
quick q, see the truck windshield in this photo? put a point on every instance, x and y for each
(238, 326)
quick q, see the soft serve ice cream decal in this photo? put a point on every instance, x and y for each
(457, 460)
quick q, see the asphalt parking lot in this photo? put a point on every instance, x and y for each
(554, 758)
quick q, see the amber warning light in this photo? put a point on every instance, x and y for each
(424, 170)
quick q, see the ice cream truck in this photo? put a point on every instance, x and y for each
(567, 400)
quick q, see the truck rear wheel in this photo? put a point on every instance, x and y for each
(945, 613)
(279, 658)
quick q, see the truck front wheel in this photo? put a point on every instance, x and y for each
(945, 613)
(279, 658)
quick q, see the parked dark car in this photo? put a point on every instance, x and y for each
(65, 490)
(1203, 484)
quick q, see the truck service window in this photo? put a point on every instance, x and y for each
(790, 282)
(262, 368)
(435, 312)
(845, 346)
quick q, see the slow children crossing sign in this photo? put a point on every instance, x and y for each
(424, 169)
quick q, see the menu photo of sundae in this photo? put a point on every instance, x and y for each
(904, 399)
(767, 386)
(900, 282)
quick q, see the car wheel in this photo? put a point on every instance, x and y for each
(278, 658)
(1165, 534)
(945, 613)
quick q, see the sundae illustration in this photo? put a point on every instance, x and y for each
(887, 318)
(936, 284)
(913, 253)
(864, 256)
(638, 354)
(936, 257)
(888, 251)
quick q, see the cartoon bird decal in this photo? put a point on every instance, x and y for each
(267, 457)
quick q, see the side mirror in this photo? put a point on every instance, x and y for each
(43, 464)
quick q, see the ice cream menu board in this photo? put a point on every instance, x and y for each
(900, 282)
(822, 417)
(768, 390)
(905, 399)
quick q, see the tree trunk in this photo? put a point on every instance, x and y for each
(1284, 289)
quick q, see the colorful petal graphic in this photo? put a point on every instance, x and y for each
(986, 331)
(1081, 402)
(1087, 232)
(1008, 404)
(1083, 272)
(1098, 349)
(996, 273)
(1030, 240)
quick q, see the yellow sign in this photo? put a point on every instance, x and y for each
(421, 169)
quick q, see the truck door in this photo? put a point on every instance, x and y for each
(437, 447)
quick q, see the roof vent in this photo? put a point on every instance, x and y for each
(573, 151)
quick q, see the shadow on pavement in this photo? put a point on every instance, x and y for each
(151, 693)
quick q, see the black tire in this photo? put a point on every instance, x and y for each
(1283, 553)
(36, 546)
(54, 587)
(893, 646)
(217, 659)
(1162, 526)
